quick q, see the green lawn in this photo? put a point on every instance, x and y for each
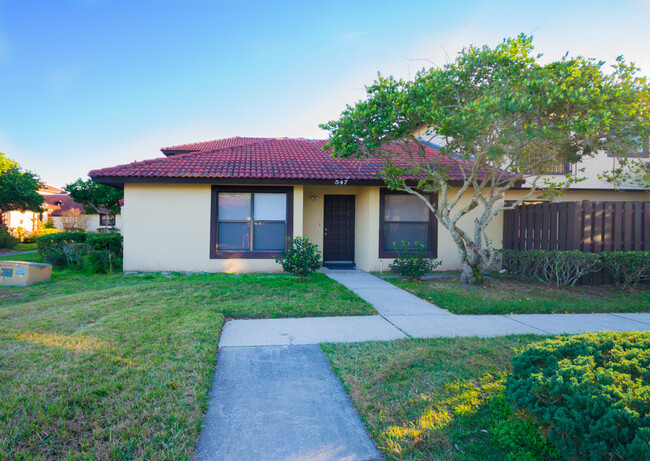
(500, 295)
(438, 398)
(26, 247)
(30, 257)
(233, 295)
(119, 367)
(20, 247)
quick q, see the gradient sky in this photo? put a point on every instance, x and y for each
(93, 83)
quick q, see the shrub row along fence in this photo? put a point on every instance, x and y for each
(587, 226)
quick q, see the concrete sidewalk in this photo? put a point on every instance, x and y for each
(274, 396)
(280, 403)
(404, 315)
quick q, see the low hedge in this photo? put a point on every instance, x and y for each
(567, 267)
(589, 393)
(95, 252)
(627, 267)
(6, 239)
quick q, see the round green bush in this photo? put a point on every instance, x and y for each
(301, 257)
(590, 393)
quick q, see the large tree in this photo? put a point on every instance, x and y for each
(96, 198)
(500, 116)
(18, 188)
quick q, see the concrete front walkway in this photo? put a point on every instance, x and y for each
(280, 403)
(273, 402)
(403, 315)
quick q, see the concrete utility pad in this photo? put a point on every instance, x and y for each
(579, 323)
(313, 330)
(430, 326)
(280, 403)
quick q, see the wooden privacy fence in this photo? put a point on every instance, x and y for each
(586, 226)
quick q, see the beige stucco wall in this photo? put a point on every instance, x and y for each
(366, 225)
(367, 221)
(167, 228)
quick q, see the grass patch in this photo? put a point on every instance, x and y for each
(233, 295)
(111, 373)
(29, 257)
(438, 398)
(500, 295)
(19, 247)
(26, 247)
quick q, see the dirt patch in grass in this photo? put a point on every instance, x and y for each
(502, 295)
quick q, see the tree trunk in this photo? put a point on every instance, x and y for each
(468, 275)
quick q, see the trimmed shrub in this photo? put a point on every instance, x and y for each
(49, 224)
(411, 263)
(46, 231)
(102, 262)
(106, 253)
(6, 239)
(96, 252)
(31, 238)
(111, 242)
(51, 246)
(590, 393)
(627, 267)
(74, 253)
(551, 266)
(301, 258)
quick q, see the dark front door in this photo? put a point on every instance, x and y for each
(338, 229)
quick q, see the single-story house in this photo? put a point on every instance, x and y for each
(228, 206)
(56, 206)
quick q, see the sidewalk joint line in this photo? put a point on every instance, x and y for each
(619, 314)
(398, 328)
(529, 326)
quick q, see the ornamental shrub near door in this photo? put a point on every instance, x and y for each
(411, 263)
(590, 393)
(301, 258)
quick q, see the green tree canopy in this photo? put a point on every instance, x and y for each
(500, 116)
(18, 188)
(96, 198)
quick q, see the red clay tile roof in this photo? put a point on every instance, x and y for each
(47, 189)
(58, 203)
(256, 158)
(209, 145)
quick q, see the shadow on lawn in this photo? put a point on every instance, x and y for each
(467, 419)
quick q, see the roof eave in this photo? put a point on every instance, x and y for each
(119, 181)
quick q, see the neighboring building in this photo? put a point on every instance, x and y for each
(228, 205)
(594, 186)
(592, 169)
(55, 203)
(28, 222)
(58, 204)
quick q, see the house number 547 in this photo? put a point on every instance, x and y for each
(340, 182)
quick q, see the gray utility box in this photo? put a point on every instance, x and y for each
(22, 274)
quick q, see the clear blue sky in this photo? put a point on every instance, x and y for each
(93, 83)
